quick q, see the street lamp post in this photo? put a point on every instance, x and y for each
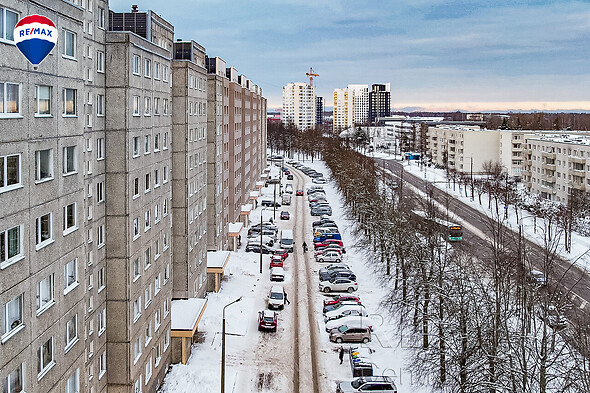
(260, 239)
(223, 345)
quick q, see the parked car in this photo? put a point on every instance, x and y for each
(332, 301)
(327, 276)
(285, 215)
(377, 384)
(352, 321)
(255, 233)
(282, 253)
(337, 306)
(270, 203)
(255, 247)
(276, 297)
(319, 180)
(333, 241)
(330, 256)
(346, 311)
(318, 211)
(277, 274)
(323, 221)
(338, 285)
(286, 199)
(335, 266)
(321, 250)
(350, 334)
(267, 320)
(538, 277)
(267, 240)
(276, 261)
(289, 176)
(275, 180)
(299, 193)
(314, 188)
(265, 225)
(289, 188)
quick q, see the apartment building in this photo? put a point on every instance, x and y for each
(359, 94)
(52, 221)
(557, 164)
(342, 110)
(379, 101)
(217, 123)
(189, 169)
(139, 209)
(351, 107)
(319, 110)
(299, 105)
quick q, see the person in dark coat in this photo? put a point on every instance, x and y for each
(304, 245)
(286, 299)
(341, 354)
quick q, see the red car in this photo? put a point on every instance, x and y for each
(333, 241)
(282, 253)
(276, 261)
(299, 193)
(267, 320)
(341, 298)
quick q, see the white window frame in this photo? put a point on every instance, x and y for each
(147, 144)
(71, 335)
(71, 271)
(7, 29)
(39, 244)
(38, 178)
(136, 268)
(4, 104)
(136, 106)
(102, 321)
(99, 192)
(101, 279)
(100, 105)
(136, 65)
(137, 309)
(42, 367)
(37, 102)
(5, 260)
(17, 324)
(45, 293)
(67, 151)
(69, 229)
(102, 364)
(73, 382)
(147, 106)
(65, 112)
(100, 61)
(100, 237)
(99, 149)
(17, 374)
(147, 68)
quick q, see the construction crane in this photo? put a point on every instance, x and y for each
(311, 74)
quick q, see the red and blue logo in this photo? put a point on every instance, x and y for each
(35, 37)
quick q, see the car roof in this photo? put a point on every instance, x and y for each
(268, 313)
(277, 270)
(276, 288)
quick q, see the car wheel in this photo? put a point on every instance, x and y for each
(350, 290)
(339, 340)
(365, 340)
(326, 290)
(337, 260)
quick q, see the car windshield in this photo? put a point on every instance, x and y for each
(343, 328)
(356, 383)
(287, 241)
(276, 295)
(268, 319)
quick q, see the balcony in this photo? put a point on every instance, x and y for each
(577, 160)
(577, 172)
(551, 167)
(578, 186)
(549, 155)
(548, 178)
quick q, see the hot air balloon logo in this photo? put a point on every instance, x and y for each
(35, 37)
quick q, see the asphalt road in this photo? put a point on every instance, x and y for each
(565, 275)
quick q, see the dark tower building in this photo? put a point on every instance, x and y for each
(319, 110)
(379, 101)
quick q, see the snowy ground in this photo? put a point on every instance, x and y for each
(265, 362)
(580, 244)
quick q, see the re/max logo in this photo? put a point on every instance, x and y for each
(37, 31)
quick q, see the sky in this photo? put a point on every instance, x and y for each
(463, 54)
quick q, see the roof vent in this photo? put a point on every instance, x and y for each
(134, 8)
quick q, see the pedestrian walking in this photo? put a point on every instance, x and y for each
(286, 299)
(304, 246)
(341, 354)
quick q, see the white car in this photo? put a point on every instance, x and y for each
(351, 321)
(329, 256)
(266, 239)
(319, 180)
(338, 284)
(345, 311)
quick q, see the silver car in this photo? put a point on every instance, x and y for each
(375, 384)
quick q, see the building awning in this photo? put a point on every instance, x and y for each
(254, 194)
(264, 176)
(246, 209)
(259, 185)
(185, 315)
(216, 261)
(234, 229)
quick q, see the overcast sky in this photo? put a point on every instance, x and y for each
(471, 55)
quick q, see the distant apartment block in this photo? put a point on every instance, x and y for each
(119, 131)
(342, 115)
(319, 110)
(299, 105)
(379, 101)
(351, 107)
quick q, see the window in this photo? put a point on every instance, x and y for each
(8, 19)
(135, 146)
(166, 340)
(148, 257)
(73, 382)
(71, 332)
(100, 149)
(157, 320)
(136, 60)
(99, 61)
(69, 156)
(147, 183)
(13, 317)
(69, 102)
(99, 192)
(101, 18)
(156, 178)
(135, 105)
(136, 309)
(136, 269)
(156, 106)
(157, 142)
(45, 293)
(147, 106)
(102, 364)
(100, 236)
(69, 44)
(156, 70)
(148, 299)
(45, 358)
(158, 283)
(102, 321)
(137, 386)
(166, 308)
(100, 105)
(43, 165)
(146, 146)
(43, 100)
(11, 247)
(165, 174)
(70, 276)
(70, 218)
(148, 221)
(156, 215)
(9, 99)
(44, 230)
(148, 370)
(165, 104)
(136, 188)
(165, 207)
(101, 279)
(14, 382)
(147, 68)
(166, 273)
(165, 73)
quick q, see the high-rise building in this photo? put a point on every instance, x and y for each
(351, 106)
(319, 110)
(299, 105)
(379, 101)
